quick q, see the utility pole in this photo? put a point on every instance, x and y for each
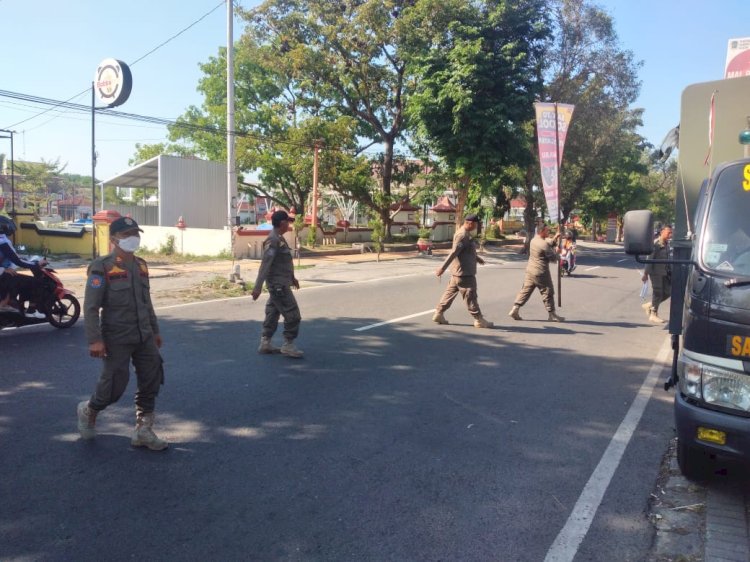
(314, 225)
(12, 173)
(231, 165)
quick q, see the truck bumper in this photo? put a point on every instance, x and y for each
(688, 418)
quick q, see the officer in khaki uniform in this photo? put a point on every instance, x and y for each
(541, 253)
(277, 271)
(463, 261)
(121, 327)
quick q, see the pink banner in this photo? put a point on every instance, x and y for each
(552, 133)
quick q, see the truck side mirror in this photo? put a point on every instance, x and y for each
(638, 228)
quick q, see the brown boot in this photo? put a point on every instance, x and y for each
(654, 317)
(480, 322)
(144, 435)
(438, 318)
(515, 312)
(86, 420)
(290, 350)
(266, 347)
(553, 317)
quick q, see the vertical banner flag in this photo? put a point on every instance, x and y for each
(551, 134)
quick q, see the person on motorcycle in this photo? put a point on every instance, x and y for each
(15, 288)
(568, 253)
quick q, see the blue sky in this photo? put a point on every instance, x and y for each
(52, 48)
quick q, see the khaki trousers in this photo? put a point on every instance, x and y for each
(281, 302)
(116, 374)
(546, 288)
(661, 289)
(467, 287)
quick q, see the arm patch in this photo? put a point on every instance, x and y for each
(96, 281)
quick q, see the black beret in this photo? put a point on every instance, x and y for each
(122, 224)
(279, 216)
(471, 218)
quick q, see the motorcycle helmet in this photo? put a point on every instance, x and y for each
(569, 234)
(7, 226)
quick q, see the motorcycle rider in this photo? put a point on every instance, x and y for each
(15, 287)
(568, 252)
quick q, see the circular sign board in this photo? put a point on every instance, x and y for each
(113, 82)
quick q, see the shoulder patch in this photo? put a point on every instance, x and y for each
(96, 281)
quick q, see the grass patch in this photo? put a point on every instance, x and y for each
(216, 288)
(160, 258)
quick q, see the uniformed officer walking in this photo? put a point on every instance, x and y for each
(541, 253)
(277, 271)
(661, 280)
(121, 327)
(463, 261)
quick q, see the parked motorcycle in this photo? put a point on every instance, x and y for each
(58, 304)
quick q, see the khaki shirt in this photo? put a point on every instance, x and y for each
(117, 303)
(463, 256)
(541, 253)
(277, 264)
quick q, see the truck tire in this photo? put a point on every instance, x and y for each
(694, 464)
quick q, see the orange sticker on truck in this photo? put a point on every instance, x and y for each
(739, 346)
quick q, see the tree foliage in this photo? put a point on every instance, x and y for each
(476, 71)
(590, 69)
(346, 58)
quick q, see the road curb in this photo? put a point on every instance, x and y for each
(726, 525)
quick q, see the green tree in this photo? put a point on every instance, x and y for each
(621, 189)
(346, 58)
(661, 184)
(476, 68)
(588, 68)
(35, 183)
(276, 133)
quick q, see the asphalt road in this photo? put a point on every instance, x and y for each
(393, 439)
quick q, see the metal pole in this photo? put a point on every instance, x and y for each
(12, 179)
(559, 218)
(93, 172)
(231, 166)
(314, 223)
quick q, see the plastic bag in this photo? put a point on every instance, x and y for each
(644, 290)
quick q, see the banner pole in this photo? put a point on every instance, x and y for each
(559, 218)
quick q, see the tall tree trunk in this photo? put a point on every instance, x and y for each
(387, 177)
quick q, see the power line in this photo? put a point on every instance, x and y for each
(147, 119)
(204, 16)
(167, 122)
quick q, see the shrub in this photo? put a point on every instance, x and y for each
(311, 236)
(168, 248)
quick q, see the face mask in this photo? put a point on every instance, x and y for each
(129, 244)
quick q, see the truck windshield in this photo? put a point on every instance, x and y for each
(726, 241)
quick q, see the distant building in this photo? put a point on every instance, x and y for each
(191, 188)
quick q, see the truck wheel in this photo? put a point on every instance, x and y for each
(694, 464)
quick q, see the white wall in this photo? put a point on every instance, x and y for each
(196, 241)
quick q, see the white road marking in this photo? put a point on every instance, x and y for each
(626, 259)
(572, 534)
(371, 326)
(592, 268)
